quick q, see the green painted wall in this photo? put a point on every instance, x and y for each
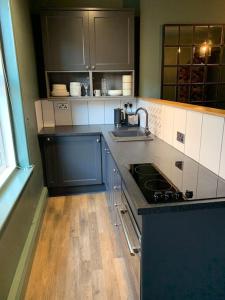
(14, 235)
(155, 13)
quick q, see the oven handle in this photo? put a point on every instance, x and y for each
(133, 249)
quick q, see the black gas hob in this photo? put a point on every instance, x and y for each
(158, 188)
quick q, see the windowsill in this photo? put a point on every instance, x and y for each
(5, 174)
(10, 192)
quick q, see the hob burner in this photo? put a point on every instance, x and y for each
(155, 187)
(145, 169)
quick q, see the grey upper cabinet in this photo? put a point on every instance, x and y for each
(65, 40)
(111, 40)
(88, 40)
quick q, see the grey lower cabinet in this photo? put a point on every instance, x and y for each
(65, 40)
(71, 161)
(76, 40)
(118, 216)
(112, 180)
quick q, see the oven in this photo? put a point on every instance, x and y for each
(130, 241)
(129, 226)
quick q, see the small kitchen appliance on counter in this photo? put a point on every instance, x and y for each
(131, 119)
(118, 117)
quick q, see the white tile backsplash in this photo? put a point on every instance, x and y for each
(211, 141)
(79, 112)
(204, 133)
(109, 110)
(63, 115)
(48, 113)
(122, 102)
(168, 120)
(222, 158)
(193, 134)
(179, 126)
(96, 112)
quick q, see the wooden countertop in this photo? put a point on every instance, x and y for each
(201, 109)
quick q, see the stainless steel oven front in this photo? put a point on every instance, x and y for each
(129, 226)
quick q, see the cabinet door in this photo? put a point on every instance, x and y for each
(79, 160)
(49, 158)
(104, 149)
(111, 40)
(65, 40)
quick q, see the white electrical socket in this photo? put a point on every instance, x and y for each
(62, 106)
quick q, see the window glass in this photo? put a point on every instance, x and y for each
(7, 154)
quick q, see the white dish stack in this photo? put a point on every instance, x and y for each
(59, 90)
(75, 89)
(127, 85)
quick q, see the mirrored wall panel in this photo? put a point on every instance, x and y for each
(193, 64)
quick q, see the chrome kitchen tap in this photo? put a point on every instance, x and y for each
(147, 131)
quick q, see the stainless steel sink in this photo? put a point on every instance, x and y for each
(122, 135)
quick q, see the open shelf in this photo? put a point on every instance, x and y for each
(66, 78)
(89, 98)
(93, 79)
(113, 81)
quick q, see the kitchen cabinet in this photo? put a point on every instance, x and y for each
(118, 212)
(111, 40)
(88, 40)
(65, 40)
(71, 161)
(112, 180)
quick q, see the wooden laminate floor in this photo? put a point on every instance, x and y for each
(77, 254)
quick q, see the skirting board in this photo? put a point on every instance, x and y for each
(18, 286)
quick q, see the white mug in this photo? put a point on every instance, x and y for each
(97, 93)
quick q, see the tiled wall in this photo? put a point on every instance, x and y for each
(78, 112)
(204, 133)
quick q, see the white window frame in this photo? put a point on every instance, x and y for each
(6, 136)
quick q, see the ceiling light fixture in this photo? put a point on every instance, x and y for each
(205, 49)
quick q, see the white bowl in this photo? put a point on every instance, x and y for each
(127, 92)
(127, 78)
(127, 85)
(114, 92)
(74, 84)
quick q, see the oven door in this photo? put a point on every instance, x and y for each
(130, 242)
(129, 226)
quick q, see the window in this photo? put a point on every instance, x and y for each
(7, 154)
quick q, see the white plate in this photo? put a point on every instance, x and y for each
(59, 87)
(127, 92)
(60, 94)
(114, 92)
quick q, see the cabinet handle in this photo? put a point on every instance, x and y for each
(93, 67)
(87, 67)
(114, 170)
(132, 248)
(98, 140)
(116, 188)
(48, 139)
